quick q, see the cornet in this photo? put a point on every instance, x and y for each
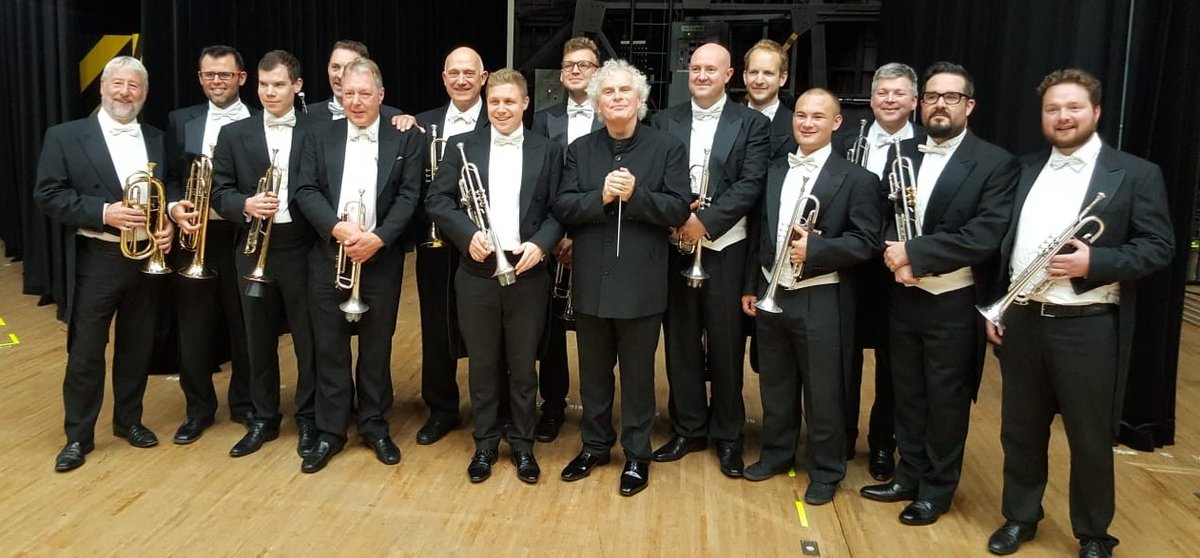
(783, 257)
(902, 191)
(475, 201)
(351, 279)
(143, 185)
(199, 192)
(260, 228)
(1034, 280)
(857, 153)
(695, 274)
(433, 239)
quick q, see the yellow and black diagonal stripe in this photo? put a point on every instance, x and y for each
(92, 64)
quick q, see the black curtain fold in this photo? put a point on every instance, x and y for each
(1008, 47)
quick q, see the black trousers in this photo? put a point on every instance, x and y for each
(871, 327)
(284, 302)
(435, 270)
(800, 352)
(206, 309)
(554, 374)
(107, 284)
(370, 380)
(603, 342)
(1066, 366)
(501, 327)
(700, 323)
(935, 344)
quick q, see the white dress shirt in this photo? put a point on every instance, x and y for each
(579, 119)
(770, 109)
(216, 119)
(704, 131)
(794, 186)
(1054, 201)
(127, 149)
(279, 137)
(932, 165)
(504, 188)
(460, 122)
(881, 142)
(361, 170)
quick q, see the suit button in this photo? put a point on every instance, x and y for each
(606, 272)
(618, 157)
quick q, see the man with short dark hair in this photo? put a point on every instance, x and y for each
(341, 55)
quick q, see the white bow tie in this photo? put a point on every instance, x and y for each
(230, 115)
(929, 148)
(288, 121)
(584, 110)
(1058, 161)
(363, 134)
(132, 129)
(501, 141)
(808, 161)
(883, 140)
(710, 113)
(461, 118)
(336, 110)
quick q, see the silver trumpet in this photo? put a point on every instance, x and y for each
(695, 273)
(857, 153)
(807, 222)
(564, 280)
(902, 191)
(475, 201)
(433, 238)
(1034, 280)
(349, 273)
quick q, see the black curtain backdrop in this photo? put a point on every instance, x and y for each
(1008, 47)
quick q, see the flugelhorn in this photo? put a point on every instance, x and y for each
(808, 222)
(475, 201)
(349, 273)
(258, 239)
(433, 239)
(139, 186)
(199, 193)
(902, 191)
(857, 153)
(695, 273)
(1034, 279)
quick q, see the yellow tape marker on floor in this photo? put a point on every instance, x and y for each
(800, 512)
(792, 473)
(14, 340)
(2, 324)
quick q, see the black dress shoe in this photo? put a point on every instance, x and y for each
(191, 430)
(242, 417)
(920, 512)
(319, 457)
(729, 455)
(385, 450)
(308, 438)
(257, 434)
(435, 429)
(678, 447)
(1092, 548)
(759, 471)
(1008, 538)
(527, 467)
(582, 465)
(71, 456)
(881, 466)
(635, 477)
(481, 465)
(888, 492)
(548, 426)
(819, 493)
(139, 436)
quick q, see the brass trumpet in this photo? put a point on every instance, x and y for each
(857, 153)
(902, 191)
(349, 273)
(259, 237)
(433, 239)
(475, 201)
(142, 185)
(199, 192)
(807, 222)
(1034, 280)
(695, 274)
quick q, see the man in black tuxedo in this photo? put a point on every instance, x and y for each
(623, 186)
(245, 151)
(703, 323)
(765, 75)
(343, 53)
(356, 167)
(563, 124)
(463, 77)
(1067, 350)
(813, 310)
(81, 172)
(502, 321)
(893, 99)
(963, 202)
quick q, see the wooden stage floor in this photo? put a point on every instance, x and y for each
(195, 500)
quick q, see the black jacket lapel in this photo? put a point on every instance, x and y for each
(96, 149)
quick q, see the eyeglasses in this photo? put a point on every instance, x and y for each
(951, 97)
(583, 65)
(210, 76)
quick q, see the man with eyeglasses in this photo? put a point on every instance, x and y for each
(729, 143)
(208, 308)
(893, 100)
(563, 123)
(964, 194)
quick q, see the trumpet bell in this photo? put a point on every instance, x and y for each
(993, 312)
(156, 266)
(506, 277)
(695, 275)
(197, 271)
(354, 308)
(768, 304)
(256, 286)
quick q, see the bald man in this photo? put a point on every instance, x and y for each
(463, 76)
(729, 143)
